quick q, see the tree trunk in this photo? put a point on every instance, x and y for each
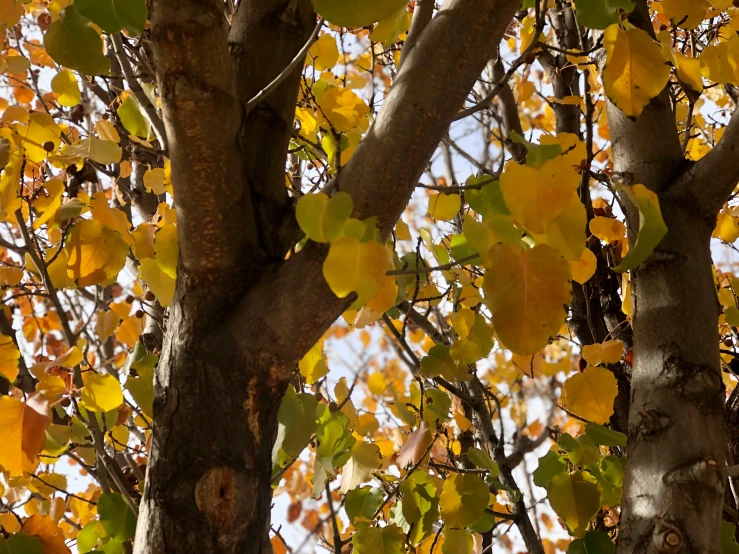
(209, 476)
(674, 483)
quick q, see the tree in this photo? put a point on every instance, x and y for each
(194, 192)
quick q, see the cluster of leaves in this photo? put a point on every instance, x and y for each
(487, 268)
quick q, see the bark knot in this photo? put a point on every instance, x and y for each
(225, 496)
(667, 537)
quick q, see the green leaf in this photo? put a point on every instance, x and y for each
(362, 503)
(537, 154)
(113, 15)
(484, 523)
(610, 476)
(439, 362)
(475, 342)
(727, 542)
(463, 499)
(549, 465)
(599, 14)
(116, 517)
(419, 495)
(438, 404)
(575, 498)
(20, 543)
(594, 542)
(133, 118)
(604, 436)
(334, 443)
(365, 459)
(651, 226)
(487, 201)
(372, 540)
(581, 451)
(71, 42)
(87, 538)
(357, 13)
(298, 414)
(457, 541)
(321, 218)
(483, 460)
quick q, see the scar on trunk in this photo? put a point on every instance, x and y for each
(251, 407)
(222, 495)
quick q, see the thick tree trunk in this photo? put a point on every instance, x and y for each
(674, 482)
(209, 476)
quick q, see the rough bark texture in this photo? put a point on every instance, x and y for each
(674, 482)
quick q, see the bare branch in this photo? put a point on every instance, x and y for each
(298, 59)
(138, 91)
(422, 15)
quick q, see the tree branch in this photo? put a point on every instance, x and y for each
(381, 175)
(138, 91)
(201, 112)
(268, 41)
(714, 176)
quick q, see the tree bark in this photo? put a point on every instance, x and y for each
(674, 481)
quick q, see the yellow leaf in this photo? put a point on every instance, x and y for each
(402, 232)
(154, 180)
(528, 30)
(590, 394)
(161, 284)
(65, 85)
(143, 241)
(689, 71)
(536, 195)
(364, 460)
(584, 268)
(324, 53)
(566, 232)
(107, 131)
(313, 365)
(354, 266)
(41, 136)
(10, 12)
(47, 206)
(9, 356)
(70, 358)
(607, 229)
(324, 219)
(727, 227)
(167, 249)
(110, 217)
(377, 384)
(343, 109)
(129, 331)
(608, 352)
(527, 290)
(101, 393)
(22, 432)
(11, 276)
(47, 532)
(651, 226)
(635, 69)
(96, 253)
(106, 323)
(715, 65)
(444, 206)
(687, 14)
